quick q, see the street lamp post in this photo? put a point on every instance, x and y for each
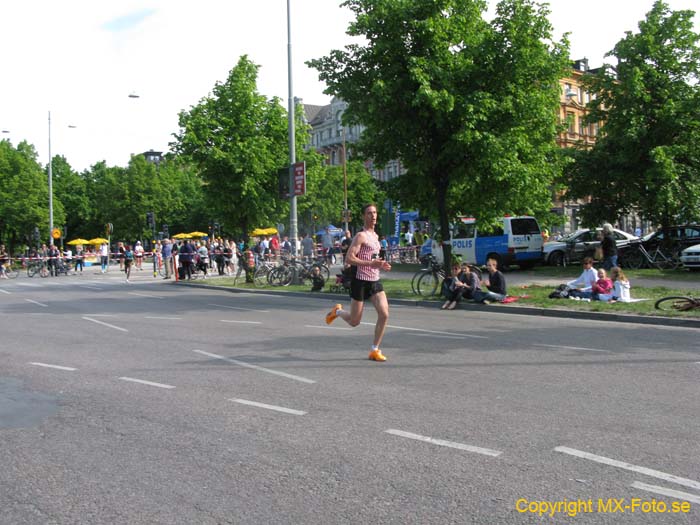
(345, 181)
(292, 146)
(50, 185)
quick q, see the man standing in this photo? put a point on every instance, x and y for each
(609, 247)
(307, 246)
(363, 254)
(167, 254)
(327, 243)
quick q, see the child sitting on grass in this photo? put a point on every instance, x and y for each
(317, 280)
(621, 287)
(602, 286)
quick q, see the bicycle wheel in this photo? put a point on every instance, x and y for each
(415, 278)
(676, 303)
(11, 272)
(428, 284)
(281, 276)
(633, 259)
(260, 277)
(44, 271)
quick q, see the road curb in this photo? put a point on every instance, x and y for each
(495, 308)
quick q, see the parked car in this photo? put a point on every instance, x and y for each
(690, 257)
(674, 238)
(581, 243)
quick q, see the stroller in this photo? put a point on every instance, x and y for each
(342, 281)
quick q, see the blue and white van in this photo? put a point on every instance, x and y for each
(518, 241)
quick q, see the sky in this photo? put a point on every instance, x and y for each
(81, 59)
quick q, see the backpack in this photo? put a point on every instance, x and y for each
(561, 292)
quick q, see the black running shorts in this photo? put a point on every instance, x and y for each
(363, 290)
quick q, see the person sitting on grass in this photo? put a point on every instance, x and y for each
(602, 286)
(582, 286)
(496, 283)
(621, 288)
(317, 280)
(453, 288)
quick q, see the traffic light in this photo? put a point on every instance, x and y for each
(166, 231)
(149, 219)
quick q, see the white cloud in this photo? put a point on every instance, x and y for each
(67, 58)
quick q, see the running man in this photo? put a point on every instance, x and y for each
(364, 255)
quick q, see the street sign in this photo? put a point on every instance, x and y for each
(56, 233)
(300, 178)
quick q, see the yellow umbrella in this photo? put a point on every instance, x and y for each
(182, 236)
(263, 231)
(75, 242)
(97, 240)
(198, 235)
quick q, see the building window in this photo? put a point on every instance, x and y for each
(571, 122)
(581, 126)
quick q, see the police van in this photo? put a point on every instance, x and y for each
(518, 240)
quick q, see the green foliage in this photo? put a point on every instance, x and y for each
(468, 106)
(646, 155)
(23, 195)
(72, 206)
(238, 140)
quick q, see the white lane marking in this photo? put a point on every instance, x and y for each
(30, 285)
(240, 308)
(164, 318)
(269, 407)
(444, 443)
(106, 324)
(244, 294)
(89, 287)
(37, 303)
(677, 494)
(143, 382)
(326, 327)
(629, 466)
(440, 336)
(240, 322)
(145, 295)
(256, 367)
(409, 328)
(57, 367)
(103, 315)
(5, 291)
(572, 348)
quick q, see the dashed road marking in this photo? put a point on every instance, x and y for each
(269, 407)
(445, 443)
(37, 303)
(240, 322)
(89, 287)
(677, 494)
(163, 318)
(5, 292)
(326, 327)
(256, 367)
(411, 329)
(57, 367)
(30, 285)
(240, 308)
(144, 382)
(572, 348)
(106, 324)
(629, 466)
(150, 296)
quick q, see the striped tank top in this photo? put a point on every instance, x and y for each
(368, 250)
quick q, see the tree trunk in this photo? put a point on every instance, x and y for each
(441, 190)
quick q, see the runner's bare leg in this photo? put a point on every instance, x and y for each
(354, 316)
(382, 306)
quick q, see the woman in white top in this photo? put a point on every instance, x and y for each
(621, 287)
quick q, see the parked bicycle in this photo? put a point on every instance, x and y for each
(10, 269)
(292, 270)
(426, 282)
(677, 303)
(636, 256)
(37, 267)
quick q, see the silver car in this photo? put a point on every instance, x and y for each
(579, 244)
(690, 257)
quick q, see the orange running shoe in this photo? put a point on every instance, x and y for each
(376, 355)
(331, 316)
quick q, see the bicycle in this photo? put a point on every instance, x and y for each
(262, 273)
(10, 269)
(677, 303)
(640, 258)
(292, 269)
(40, 267)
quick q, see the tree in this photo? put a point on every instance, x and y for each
(468, 106)
(646, 155)
(238, 140)
(24, 195)
(70, 194)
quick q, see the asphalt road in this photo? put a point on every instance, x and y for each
(186, 405)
